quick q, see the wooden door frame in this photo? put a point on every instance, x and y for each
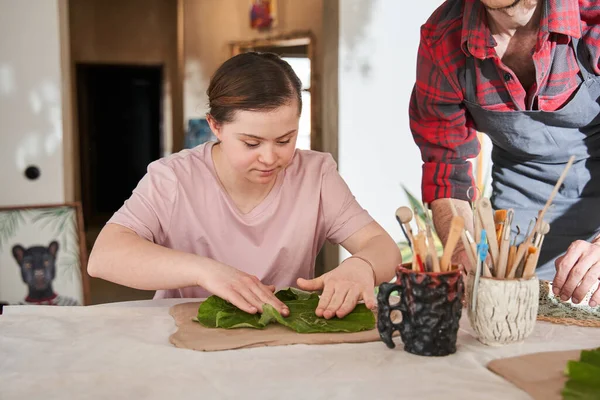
(297, 38)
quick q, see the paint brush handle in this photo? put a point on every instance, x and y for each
(531, 263)
(486, 213)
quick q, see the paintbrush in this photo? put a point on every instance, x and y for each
(504, 243)
(482, 250)
(499, 220)
(542, 213)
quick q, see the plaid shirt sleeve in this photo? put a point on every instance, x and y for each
(439, 125)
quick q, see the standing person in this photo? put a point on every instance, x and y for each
(247, 214)
(525, 72)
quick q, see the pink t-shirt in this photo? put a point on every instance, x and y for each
(181, 204)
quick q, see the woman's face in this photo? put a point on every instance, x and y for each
(259, 144)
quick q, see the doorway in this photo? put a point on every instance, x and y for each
(119, 110)
(120, 133)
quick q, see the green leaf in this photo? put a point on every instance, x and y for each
(416, 206)
(215, 310)
(218, 313)
(9, 223)
(584, 377)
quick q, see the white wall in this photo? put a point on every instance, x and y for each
(30, 102)
(377, 64)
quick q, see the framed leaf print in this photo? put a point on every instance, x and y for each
(43, 257)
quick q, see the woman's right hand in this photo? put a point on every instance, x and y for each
(244, 291)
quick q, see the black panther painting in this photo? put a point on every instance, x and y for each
(38, 269)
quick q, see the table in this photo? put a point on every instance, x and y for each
(121, 351)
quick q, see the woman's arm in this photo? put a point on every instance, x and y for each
(374, 258)
(121, 256)
(373, 244)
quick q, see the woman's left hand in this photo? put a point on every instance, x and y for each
(353, 280)
(577, 271)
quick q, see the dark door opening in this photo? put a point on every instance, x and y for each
(119, 109)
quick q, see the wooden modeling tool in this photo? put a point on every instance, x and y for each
(421, 250)
(404, 215)
(530, 263)
(504, 244)
(482, 250)
(486, 213)
(456, 227)
(432, 254)
(540, 238)
(521, 250)
(467, 241)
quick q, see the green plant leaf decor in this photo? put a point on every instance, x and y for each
(218, 313)
(584, 377)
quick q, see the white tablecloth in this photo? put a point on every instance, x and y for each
(121, 351)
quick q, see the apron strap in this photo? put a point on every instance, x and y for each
(470, 79)
(580, 53)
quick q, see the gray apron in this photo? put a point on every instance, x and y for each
(531, 149)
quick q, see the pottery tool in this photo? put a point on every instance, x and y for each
(521, 251)
(539, 240)
(421, 250)
(467, 240)
(512, 252)
(486, 270)
(456, 227)
(504, 243)
(517, 268)
(499, 220)
(432, 254)
(404, 215)
(486, 213)
(531, 262)
(482, 250)
(534, 252)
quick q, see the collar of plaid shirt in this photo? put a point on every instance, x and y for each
(558, 16)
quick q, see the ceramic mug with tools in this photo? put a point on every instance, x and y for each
(431, 307)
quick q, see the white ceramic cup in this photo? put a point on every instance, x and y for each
(505, 311)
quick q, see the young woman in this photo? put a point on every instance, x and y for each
(247, 214)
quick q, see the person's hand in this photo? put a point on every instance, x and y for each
(577, 271)
(353, 280)
(244, 291)
(461, 259)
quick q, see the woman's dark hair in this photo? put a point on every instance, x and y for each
(252, 82)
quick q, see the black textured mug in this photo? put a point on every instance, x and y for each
(431, 307)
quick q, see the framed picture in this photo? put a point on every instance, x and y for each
(263, 14)
(43, 256)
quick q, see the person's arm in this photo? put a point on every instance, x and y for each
(129, 250)
(442, 129)
(121, 256)
(375, 254)
(442, 218)
(579, 268)
(374, 258)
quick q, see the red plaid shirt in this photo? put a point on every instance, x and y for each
(440, 123)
